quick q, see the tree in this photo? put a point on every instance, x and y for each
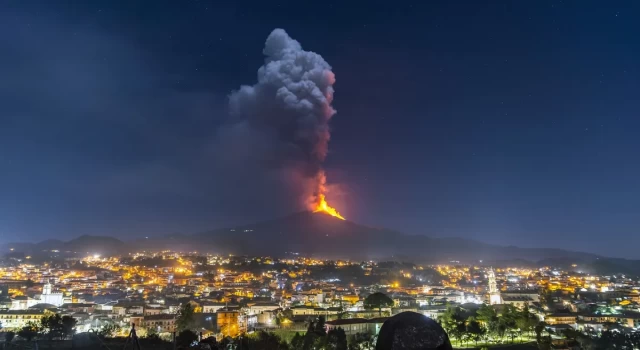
(309, 337)
(151, 332)
(211, 341)
(488, 317)
(453, 322)
(109, 330)
(614, 340)
(635, 340)
(51, 326)
(539, 328)
(475, 330)
(29, 331)
(545, 344)
(508, 321)
(320, 327)
(342, 314)
(585, 342)
(186, 338)
(297, 341)
(337, 339)
(377, 301)
(571, 334)
(57, 327)
(185, 317)
(362, 341)
(267, 341)
(532, 321)
(225, 343)
(68, 326)
(8, 337)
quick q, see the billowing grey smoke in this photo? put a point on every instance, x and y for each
(283, 120)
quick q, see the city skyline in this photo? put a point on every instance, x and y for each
(510, 124)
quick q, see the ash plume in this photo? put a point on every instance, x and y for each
(281, 123)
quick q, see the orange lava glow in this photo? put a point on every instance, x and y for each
(322, 206)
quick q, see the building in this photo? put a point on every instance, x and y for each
(48, 297)
(162, 323)
(227, 322)
(22, 303)
(314, 311)
(518, 301)
(16, 319)
(433, 311)
(123, 309)
(267, 318)
(153, 310)
(531, 294)
(494, 292)
(351, 298)
(561, 318)
(353, 326)
(257, 308)
(212, 308)
(79, 307)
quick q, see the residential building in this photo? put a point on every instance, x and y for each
(352, 326)
(161, 323)
(16, 319)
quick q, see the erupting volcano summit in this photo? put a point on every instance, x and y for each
(322, 206)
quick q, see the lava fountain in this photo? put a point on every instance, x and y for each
(323, 207)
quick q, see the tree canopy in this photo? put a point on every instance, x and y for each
(185, 319)
(377, 301)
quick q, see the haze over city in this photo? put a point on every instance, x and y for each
(507, 123)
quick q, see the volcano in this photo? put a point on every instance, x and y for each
(321, 235)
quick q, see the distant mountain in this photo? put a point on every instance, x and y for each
(83, 245)
(96, 245)
(321, 235)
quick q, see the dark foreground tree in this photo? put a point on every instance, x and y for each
(186, 338)
(361, 341)
(68, 326)
(309, 337)
(8, 337)
(297, 341)
(319, 327)
(267, 341)
(185, 317)
(337, 339)
(109, 330)
(29, 332)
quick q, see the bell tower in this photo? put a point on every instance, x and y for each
(46, 289)
(494, 292)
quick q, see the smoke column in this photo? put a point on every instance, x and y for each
(290, 109)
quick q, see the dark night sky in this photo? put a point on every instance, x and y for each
(506, 121)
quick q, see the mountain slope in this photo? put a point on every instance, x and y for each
(82, 246)
(323, 235)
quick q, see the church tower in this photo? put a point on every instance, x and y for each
(46, 289)
(49, 297)
(494, 292)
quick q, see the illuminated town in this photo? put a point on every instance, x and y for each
(231, 296)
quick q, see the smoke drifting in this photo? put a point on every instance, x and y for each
(282, 122)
